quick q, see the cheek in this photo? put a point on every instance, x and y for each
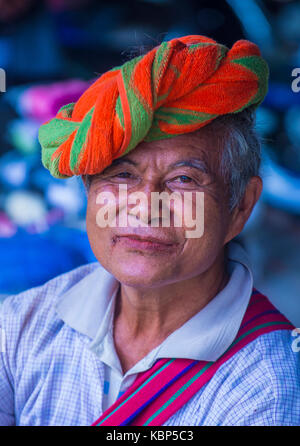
(199, 253)
(216, 215)
(91, 213)
(99, 238)
(207, 217)
(96, 202)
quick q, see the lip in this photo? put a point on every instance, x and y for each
(146, 243)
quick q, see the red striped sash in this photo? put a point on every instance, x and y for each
(161, 391)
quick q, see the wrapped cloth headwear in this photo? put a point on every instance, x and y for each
(177, 87)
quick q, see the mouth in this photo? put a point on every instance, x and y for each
(139, 243)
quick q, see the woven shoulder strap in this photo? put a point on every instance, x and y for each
(162, 390)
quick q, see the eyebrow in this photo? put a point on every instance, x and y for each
(117, 162)
(192, 162)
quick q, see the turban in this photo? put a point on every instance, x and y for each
(177, 87)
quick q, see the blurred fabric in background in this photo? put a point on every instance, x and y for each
(51, 50)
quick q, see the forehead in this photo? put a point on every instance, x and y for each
(204, 144)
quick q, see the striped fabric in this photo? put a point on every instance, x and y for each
(161, 391)
(178, 87)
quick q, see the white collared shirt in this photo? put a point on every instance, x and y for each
(205, 336)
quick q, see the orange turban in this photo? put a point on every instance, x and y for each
(177, 87)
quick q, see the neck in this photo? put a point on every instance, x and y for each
(145, 317)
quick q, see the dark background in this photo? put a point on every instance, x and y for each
(51, 50)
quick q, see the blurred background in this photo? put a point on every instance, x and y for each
(51, 50)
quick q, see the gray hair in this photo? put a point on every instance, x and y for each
(241, 155)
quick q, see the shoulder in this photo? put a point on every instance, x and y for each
(258, 386)
(278, 358)
(280, 364)
(262, 381)
(41, 298)
(27, 316)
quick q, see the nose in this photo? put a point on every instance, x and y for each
(136, 204)
(152, 205)
(140, 203)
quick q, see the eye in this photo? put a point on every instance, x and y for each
(182, 182)
(123, 174)
(184, 179)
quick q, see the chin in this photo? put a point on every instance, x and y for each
(139, 274)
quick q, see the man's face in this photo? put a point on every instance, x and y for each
(162, 255)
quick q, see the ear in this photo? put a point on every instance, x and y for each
(243, 210)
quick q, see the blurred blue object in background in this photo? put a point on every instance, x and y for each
(266, 121)
(281, 187)
(31, 260)
(23, 134)
(281, 96)
(14, 170)
(256, 25)
(292, 125)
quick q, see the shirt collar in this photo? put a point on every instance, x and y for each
(88, 308)
(86, 305)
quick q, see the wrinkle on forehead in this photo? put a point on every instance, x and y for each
(203, 144)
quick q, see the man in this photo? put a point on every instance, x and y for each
(166, 328)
